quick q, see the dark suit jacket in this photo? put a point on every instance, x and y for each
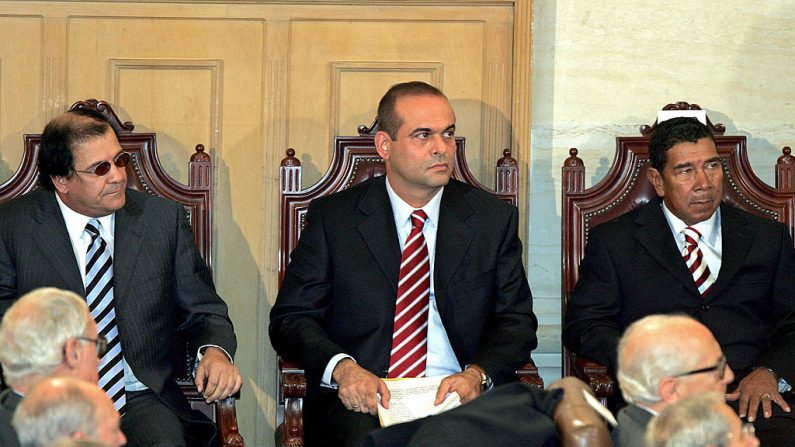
(633, 268)
(338, 295)
(632, 424)
(161, 283)
(8, 403)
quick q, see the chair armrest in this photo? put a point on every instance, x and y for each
(292, 390)
(578, 424)
(596, 376)
(528, 374)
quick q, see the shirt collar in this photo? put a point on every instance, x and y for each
(402, 210)
(76, 222)
(709, 228)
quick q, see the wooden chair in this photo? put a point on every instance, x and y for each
(146, 174)
(626, 187)
(354, 160)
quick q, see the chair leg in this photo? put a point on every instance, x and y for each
(226, 418)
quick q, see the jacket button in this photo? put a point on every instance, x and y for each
(705, 307)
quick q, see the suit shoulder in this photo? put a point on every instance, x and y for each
(482, 199)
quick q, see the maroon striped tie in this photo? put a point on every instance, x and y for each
(694, 259)
(410, 334)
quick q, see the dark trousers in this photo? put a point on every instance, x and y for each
(149, 422)
(328, 423)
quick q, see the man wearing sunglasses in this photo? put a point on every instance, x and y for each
(133, 257)
(46, 333)
(662, 359)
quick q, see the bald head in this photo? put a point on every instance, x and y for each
(655, 349)
(67, 407)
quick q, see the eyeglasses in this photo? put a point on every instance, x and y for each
(101, 342)
(720, 368)
(103, 168)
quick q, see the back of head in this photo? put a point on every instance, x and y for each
(388, 120)
(691, 422)
(34, 331)
(68, 442)
(61, 136)
(56, 408)
(650, 350)
(669, 133)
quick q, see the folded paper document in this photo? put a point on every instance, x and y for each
(413, 399)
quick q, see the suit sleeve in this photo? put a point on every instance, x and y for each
(8, 276)
(511, 335)
(296, 330)
(781, 349)
(206, 314)
(590, 326)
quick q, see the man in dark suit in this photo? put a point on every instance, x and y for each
(336, 309)
(688, 253)
(653, 372)
(86, 233)
(46, 333)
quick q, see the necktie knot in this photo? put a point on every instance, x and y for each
(692, 236)
(92, 228)
(418, 218)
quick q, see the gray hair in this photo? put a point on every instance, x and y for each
(641, 370)
(54, 409)
(691, 422)
(69, 442)
(35, 330)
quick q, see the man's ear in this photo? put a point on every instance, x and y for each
(656, 180)
(61, 183)
(669, 390)
(71, 356)
(382, 141)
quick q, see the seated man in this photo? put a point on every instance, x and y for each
(688, 253)
(462, 306)
(700, 420)
(661, 359)
(65, 407)
(133, 257)
(46, 333)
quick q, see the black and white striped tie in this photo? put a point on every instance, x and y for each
(99, 295)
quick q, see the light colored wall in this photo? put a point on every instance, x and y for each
(603, 68)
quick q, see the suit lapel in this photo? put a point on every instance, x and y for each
(654, 235)
(52, 239)
(377, 228)
(737, 241)
(128, 241)
(453, 238)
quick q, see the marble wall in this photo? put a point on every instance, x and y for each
(603, 68)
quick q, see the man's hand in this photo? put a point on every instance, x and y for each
(466, 384)
(759, 386)
(358, 389)
(222, 377)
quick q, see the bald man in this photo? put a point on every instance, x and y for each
(662, 359)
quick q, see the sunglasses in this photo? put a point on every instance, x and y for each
(103, 168)
(101, 342)
(720, 368)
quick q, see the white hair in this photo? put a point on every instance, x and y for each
(640, 370)
(54, 409)
(691, 422)
(35, 330)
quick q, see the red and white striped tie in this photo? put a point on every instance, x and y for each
(694, 259)
(410, 334)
